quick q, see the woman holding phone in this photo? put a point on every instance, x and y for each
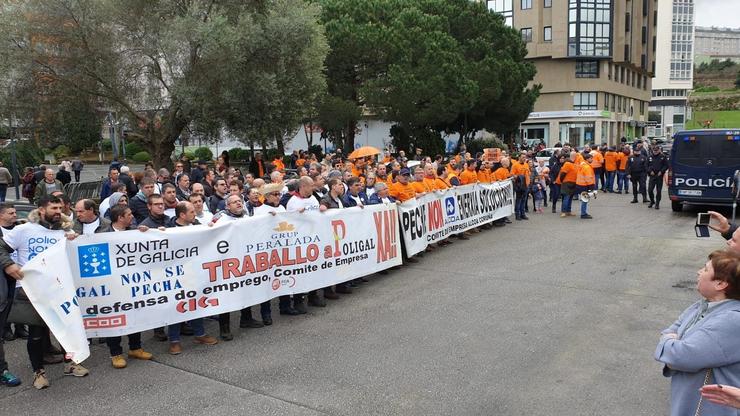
(703, 346)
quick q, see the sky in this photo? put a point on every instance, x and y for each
(720, 13)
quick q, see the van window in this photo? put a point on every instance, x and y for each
(723, 152)
(689, 152)
(728, 153)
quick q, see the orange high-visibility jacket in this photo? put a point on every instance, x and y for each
(585, 175)
(610, 161)
(468, 176)
(622, 161)
(431, 183)
(485, 176)
(521, 169)
(598, 160)
(402, 192)
(501, 174)
(571, 173)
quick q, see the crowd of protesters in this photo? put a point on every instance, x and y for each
(205, 195)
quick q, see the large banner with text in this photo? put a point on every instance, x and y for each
(438, 215)
(123, 282)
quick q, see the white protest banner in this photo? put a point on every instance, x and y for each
(131, 281)
(49, 284)
(437, 215)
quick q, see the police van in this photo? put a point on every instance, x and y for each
(702, 167)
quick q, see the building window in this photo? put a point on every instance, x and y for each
(526, 4)
(682, 40)
(642, 108)
(589, 27)
(584, 101)
(548, 3)
(627, 22)
(547, 33)
(621, 74)
(587, 69)
(504, 8)
(526, 34)
(610, 70)
(606, 101)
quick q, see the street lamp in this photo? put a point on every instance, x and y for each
(13, 160)
(112, 134)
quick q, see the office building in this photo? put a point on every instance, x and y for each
(674, 58)
(717, 43)
(594, 59)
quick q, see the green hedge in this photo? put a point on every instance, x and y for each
(203, 153)
(133, 148)
(142, 157)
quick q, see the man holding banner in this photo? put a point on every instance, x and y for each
(185, 217)
(121, 218)
(44, 228)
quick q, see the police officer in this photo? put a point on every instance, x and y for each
(657, 167)
(636, 171)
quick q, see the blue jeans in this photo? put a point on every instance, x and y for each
(520, 203)
(610, 180)
(173, 331)
(622, 179)
(567, 203)
(584, 208)
(554, 193)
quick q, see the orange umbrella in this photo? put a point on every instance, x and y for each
(364, 151)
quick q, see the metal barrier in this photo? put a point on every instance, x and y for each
(79, 190)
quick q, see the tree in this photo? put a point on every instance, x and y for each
(338, 119)
(163, 65)
(360, 40)
(70, 119)
(286, 60)
(429, 65)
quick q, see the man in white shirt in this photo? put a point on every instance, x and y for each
(201, 214)
(45, 227)
(303, 200)
(88, 219)
(272, 194)
(169, 196)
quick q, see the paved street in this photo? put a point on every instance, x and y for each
(545, 317)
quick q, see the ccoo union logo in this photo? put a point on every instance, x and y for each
(450, 206)
(94, 260)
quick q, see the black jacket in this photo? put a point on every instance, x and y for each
(131, 188)
(153, 222)
(196, 175)
(637, 164)
(657, 164)
(138, 205)
(64, 177)
(213, 202)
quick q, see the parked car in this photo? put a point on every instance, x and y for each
(23, 209)
(545, 154)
